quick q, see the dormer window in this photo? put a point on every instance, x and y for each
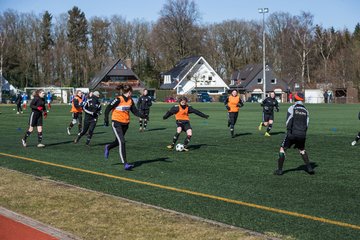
(167, 79)
(260, 81)
(273, 81)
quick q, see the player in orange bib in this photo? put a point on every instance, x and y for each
(181, 112)
(233, 103)
(76, 110)
(120, 108)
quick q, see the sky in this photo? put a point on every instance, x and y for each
(339, 14)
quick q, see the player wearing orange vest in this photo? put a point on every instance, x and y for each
(120, 108)
(76, 109)
(233, 103)
(181, 112)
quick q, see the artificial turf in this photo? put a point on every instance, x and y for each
(237, 168)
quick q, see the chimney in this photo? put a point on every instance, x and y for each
(128, 63)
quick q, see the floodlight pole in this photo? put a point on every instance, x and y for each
(263, 11)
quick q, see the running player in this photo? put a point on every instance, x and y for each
(233, 103)
(37, 106)
(76, 109)
(181, 112)
(268, 113)
(92, 109)
(144, 103)
(120, 107)
(297, 122)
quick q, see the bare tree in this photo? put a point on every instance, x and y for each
(302, 41)
(325, 40)
(100, 38)
(62, 69)
(176, 34)
(2, 43)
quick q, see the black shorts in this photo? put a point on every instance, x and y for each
(77, 115)
(185, 125)
(146, 113)
(268, 116)
(298, 142)
(36, 119)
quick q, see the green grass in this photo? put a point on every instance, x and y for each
(239, 169)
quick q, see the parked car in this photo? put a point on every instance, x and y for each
(204, 97)
(169, 100)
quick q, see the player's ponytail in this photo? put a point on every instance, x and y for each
(124, 88)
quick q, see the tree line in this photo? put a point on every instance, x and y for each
(69, 49)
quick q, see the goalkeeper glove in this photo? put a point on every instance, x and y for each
(45, 115)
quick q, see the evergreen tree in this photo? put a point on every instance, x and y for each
(46, 45)
(78, 42)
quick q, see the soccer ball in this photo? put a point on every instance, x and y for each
(179, 147)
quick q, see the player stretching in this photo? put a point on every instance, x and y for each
(182, 111)
(268, 113)
(37, 106)
(120, 107)
(297, 122)
(233, 103)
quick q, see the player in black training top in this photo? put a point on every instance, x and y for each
(144, 103)
(353, 143)
(297, 122)
(38, 109)
(92, 109)
(268, 113)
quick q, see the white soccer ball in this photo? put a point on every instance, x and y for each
(179, 147)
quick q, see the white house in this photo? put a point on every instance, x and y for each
(194, 74)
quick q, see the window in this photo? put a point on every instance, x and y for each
(232, 82)
(167, 79)
(210, 78)
(213, 91)
(273, 81)
(259, 80)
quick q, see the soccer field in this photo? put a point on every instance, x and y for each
(229, 180)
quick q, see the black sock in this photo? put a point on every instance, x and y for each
(40, 137)
(175, 138)
(281, 160)
(187, 140)
(140, 123)
(306, 161)
(269, 128)
(71, 125)
(27, 134)
(357, 137)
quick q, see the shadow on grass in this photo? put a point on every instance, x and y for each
(59, 143)
(241, 134)
(301, 168)
(277, 133)
(141, 162)
(198, 146)
(155, 129)
(95, 133)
